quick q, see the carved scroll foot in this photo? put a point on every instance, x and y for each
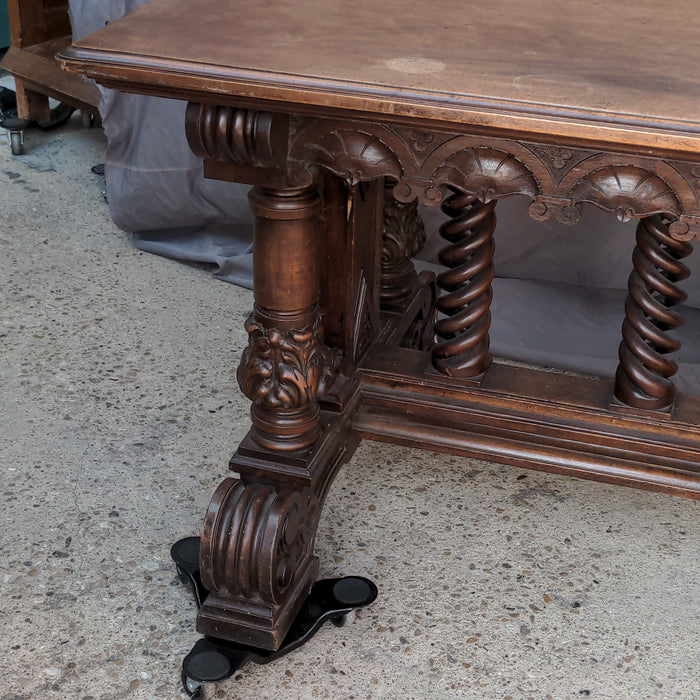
(643, 375)
(256, 553)
(256, 561)
(463, 346)
(403, 236)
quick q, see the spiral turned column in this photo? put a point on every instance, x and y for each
(643, 375)
(463, 347)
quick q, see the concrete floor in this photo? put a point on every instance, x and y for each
(119, 410)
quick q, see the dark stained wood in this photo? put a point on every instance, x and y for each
(403, 237)
(343, 118)
(350, 260)
(529, 418)
(463, 346)
(646, 367)
(286, 365)
(269, 517)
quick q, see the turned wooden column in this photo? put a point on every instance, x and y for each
(256, 553)
(462, 349)
(643, 378)
(286, 364)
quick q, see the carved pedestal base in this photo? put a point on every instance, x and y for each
(256, 554)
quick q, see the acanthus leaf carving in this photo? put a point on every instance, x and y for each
(403, 237)
(403, 231)
(285, 369)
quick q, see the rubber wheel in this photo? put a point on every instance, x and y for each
(16, 143)
(339, 620)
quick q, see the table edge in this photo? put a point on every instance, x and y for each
(189, 80)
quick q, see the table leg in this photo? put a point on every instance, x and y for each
(463, 346)
(256, 555)
(285, 366)
(643, 378)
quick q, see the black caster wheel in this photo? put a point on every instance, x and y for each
(192, 687)
(213, 659)
(15, 133)
(185, 554)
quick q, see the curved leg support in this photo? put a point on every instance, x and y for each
(256, 555)
(256, 560)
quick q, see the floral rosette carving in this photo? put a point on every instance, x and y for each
(285, 369)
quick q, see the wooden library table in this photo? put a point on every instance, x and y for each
(344, 115)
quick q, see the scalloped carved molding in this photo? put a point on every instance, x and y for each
(354, 155)
(424, 162)
(628, 191)
(486, 173)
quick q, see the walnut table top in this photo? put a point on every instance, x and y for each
(623, 73)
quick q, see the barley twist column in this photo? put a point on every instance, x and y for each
(463, 347)
(643, 375)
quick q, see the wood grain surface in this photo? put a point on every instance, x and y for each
(527, 65)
